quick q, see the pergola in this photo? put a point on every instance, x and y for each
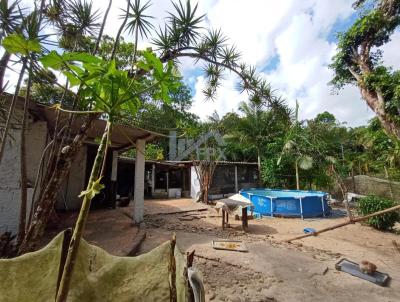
(123, 138)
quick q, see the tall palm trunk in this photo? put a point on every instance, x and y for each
(3, 66)
(11, 109)
(83, 214)
(296, 166)
(24, 199)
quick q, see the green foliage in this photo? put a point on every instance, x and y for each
(107, 89)
(372, 204)
(18, 44)
(152, 152)
(95, 189)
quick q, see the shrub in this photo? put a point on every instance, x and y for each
(371, 204)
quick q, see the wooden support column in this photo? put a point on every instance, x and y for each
(167, 182)
(153, 179)
(138, 205)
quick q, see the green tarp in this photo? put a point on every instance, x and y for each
(98, 276)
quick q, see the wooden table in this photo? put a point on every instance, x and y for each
(231, 204)
(225, 218)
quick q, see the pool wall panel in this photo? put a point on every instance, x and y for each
(301, 204)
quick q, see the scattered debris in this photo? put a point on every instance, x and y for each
(137, 241)
(238, 288)
(187, 218)
(356, 270)
(396, 246)
(230, 245)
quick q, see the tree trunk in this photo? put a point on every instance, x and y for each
(45, 204)
(259, 167)
(388, 179)
(83, 214)
(3, 67)
(11, 109)
(296, 166)
(96, 47)
(24, 198)
(376, 102)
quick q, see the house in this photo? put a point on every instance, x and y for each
(41, 122)
(135, 178)
(171, 179)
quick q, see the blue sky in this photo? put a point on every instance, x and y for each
(291, 43)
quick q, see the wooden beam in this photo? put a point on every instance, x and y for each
(353, 220)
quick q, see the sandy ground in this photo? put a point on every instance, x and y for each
(271, 270)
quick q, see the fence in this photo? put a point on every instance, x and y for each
(368, 185)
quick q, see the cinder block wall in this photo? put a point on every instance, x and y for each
(367, 185)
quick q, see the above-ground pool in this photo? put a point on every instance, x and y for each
(288, 203)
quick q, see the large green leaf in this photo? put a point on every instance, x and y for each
(153, 61)
(52, 60)
(81, 57)
(17, 44)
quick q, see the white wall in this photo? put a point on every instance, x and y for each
(10, 168)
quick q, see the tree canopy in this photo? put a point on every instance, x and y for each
(359, 60)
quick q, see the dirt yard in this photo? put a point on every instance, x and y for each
(271, 270)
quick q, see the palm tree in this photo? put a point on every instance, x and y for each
(258, 126)
(139, 23)
(297, 147)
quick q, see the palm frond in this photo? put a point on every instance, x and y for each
(138, 20)
(84, 17)
(11, 16)
(184, 23)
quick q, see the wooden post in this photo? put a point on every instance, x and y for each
(245, 222)
(390, 183)
(153, 179)
(223, 219)
(236, 179)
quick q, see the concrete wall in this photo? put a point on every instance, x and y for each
(75, 183)
(367, 185)
(10, 168)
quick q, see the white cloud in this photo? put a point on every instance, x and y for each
(228, 98)
(294, 31)
(391, 51)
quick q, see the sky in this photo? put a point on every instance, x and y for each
(290, 42)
